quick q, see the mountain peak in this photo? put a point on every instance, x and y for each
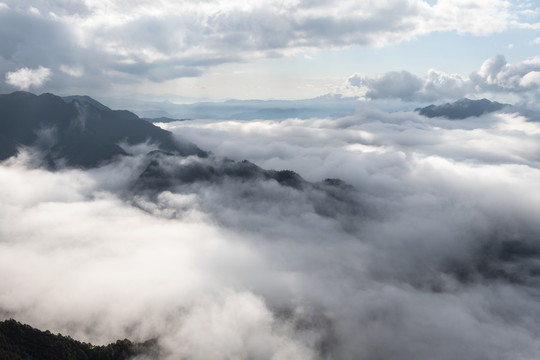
(461, 109)
(82, 136)
(85, 99)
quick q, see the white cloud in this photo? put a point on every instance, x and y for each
(251, 29)
(265, 271)
(26, 78)
(393, 84)
(530, 79)
(495, 76)
(34, 11)
(125, 42)
(467, 16)
(405, 86)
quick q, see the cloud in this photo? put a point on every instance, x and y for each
(435, 251)
(72, 71)
(495, 76)
(408, 87)
(535, 41)
(402, 85)
(119, 43)
(113, 277)
(25, 78)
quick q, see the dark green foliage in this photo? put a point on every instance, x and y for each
(22, 342)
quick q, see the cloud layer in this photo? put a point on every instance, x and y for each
(94, 43)
(436, 252)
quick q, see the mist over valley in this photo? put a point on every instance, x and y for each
(377, 234)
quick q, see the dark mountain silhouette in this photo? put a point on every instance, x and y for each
(461, 109)
(76, 133)
(23, 342)
(164, 173)
(330, 198)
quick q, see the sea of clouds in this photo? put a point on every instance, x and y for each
(435, 253)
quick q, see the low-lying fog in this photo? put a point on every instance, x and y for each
(436, 255)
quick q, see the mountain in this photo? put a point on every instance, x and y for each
(23, 342)
(461, 109)
(325, 106)
(78, 133)
(332, 198)
(84, 99)
(164, 173)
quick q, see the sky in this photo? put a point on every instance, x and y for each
(184, 51)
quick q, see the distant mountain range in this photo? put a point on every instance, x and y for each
(325, 106)
(461, 109)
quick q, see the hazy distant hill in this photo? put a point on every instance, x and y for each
(461, 109)
(80, 132)
(321, 107)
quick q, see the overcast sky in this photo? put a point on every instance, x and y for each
(402, 50)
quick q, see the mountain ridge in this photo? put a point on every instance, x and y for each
(22, 342)
(77, 133)
(461, 109)
(85, 99)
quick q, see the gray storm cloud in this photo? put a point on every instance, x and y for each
(434, 255)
